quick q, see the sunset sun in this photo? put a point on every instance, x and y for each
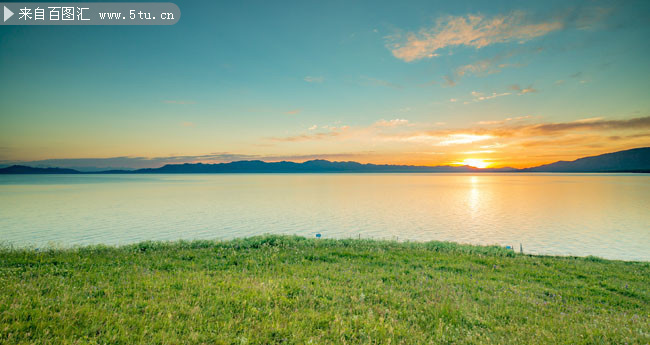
(475, 162)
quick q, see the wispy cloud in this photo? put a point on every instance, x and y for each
(591, 124)
(514, 128)
(326, 132)
(478, 152)
(312, 79)
(479, 96)
(439, 138)
(306, 137)
(483, 67)
(461, 138)
(511, 140)
(506, 120)
(633, 136)
(523, 91)
(490, 65)
(392, 123)
(472, 30)
(293, 112)
(449, 81)
(511, 128)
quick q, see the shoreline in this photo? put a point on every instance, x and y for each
(55, 247)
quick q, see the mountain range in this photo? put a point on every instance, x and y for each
(634, 160)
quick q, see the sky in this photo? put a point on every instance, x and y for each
(491, 83)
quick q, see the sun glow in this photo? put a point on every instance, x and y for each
(475, 162)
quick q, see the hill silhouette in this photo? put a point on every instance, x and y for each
(313, 166)
(22, 169)
(634, 160)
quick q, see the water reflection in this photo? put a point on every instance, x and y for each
(604, 215)
(474, 196)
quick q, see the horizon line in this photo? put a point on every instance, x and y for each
(260, 161)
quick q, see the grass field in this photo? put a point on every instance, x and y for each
(277, 289)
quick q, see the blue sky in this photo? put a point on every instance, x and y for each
(418, 82)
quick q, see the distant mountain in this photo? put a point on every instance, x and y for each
(313, 166)
(256, 166)
(634, 160)
(21, 169)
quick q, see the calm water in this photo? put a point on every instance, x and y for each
(567, 214)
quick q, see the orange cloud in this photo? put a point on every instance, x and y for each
(473, 30)
(293, 112)
(598, 124)
(392, 123)
(523, 91)
(512, 141)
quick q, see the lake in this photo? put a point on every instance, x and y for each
(605, 215)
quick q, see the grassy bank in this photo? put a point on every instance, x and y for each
(276, 289)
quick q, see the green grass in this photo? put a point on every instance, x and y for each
(278, 289)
